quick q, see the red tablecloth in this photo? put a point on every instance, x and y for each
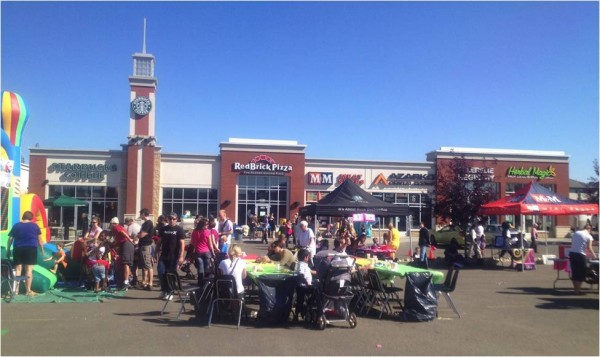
(250, 257)
(382, 250)
(562, 264)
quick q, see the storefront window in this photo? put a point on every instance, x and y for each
(102, 200)
(190, 194)
(199, 201)
(260, 194)
(178, 193)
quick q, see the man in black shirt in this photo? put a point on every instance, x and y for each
(145, 249)
(170, 249)
(424, 243)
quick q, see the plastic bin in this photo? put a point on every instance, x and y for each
(238, 233)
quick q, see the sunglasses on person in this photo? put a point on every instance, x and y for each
(94, 222)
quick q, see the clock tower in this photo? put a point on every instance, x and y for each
(143, 157)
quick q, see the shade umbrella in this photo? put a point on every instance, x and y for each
(65, 201)
(535, 199)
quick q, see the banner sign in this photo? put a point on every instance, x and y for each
(7, 169)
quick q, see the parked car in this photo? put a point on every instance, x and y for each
(445, 235)
(491, 231)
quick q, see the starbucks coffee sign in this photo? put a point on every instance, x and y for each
(81, 172)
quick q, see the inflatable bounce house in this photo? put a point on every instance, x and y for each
(14, 204)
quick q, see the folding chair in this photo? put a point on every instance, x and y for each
(447, 287)
(226, 290)
(360, 290)
(10, 280)
(208, 290)
(184, 294)
(382, 294)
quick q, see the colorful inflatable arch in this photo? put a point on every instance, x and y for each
(33, 203)
(14, 118)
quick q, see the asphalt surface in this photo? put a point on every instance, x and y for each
(504, 312)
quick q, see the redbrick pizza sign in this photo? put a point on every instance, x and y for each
(261, 165)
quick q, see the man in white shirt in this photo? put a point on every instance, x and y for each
(225, 231)
(581, 243)
(306, 238)
(479, 236)
(133, 228)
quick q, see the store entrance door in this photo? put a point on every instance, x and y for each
(262, 211)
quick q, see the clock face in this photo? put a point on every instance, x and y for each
(141, 105)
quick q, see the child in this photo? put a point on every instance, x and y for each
(305, 286)
(99, 268)
(60, 260)
(375, 243)
(416, 254)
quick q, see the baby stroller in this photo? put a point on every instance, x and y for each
(331, 299)
(187, 263)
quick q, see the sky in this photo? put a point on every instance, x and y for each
(383, 81)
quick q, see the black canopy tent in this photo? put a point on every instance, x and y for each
(348, 199)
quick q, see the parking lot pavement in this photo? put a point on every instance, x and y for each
(504, 312)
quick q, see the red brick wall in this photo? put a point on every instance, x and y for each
(131, 174)
(229, 178)
(561, 180)
(148, 172)
(37, 175)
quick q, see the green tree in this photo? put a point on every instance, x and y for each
(592, 185)
(461, 190)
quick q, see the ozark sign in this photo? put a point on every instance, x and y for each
(404, 179)
(261, 165)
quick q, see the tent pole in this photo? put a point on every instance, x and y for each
(409, 226)
(522, 245)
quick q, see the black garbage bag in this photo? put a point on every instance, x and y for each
(275, 294)
(420, 301)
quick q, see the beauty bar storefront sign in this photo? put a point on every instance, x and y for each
(77, 172)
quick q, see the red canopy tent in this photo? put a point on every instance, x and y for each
(535, 199)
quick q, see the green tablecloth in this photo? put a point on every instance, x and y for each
(266, 269)
(388, 273)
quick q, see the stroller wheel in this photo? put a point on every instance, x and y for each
(308, 316)
(352, 320)
(321, 323)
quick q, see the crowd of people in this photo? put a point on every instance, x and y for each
(117, 255)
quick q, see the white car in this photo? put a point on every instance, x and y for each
(491, 231)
